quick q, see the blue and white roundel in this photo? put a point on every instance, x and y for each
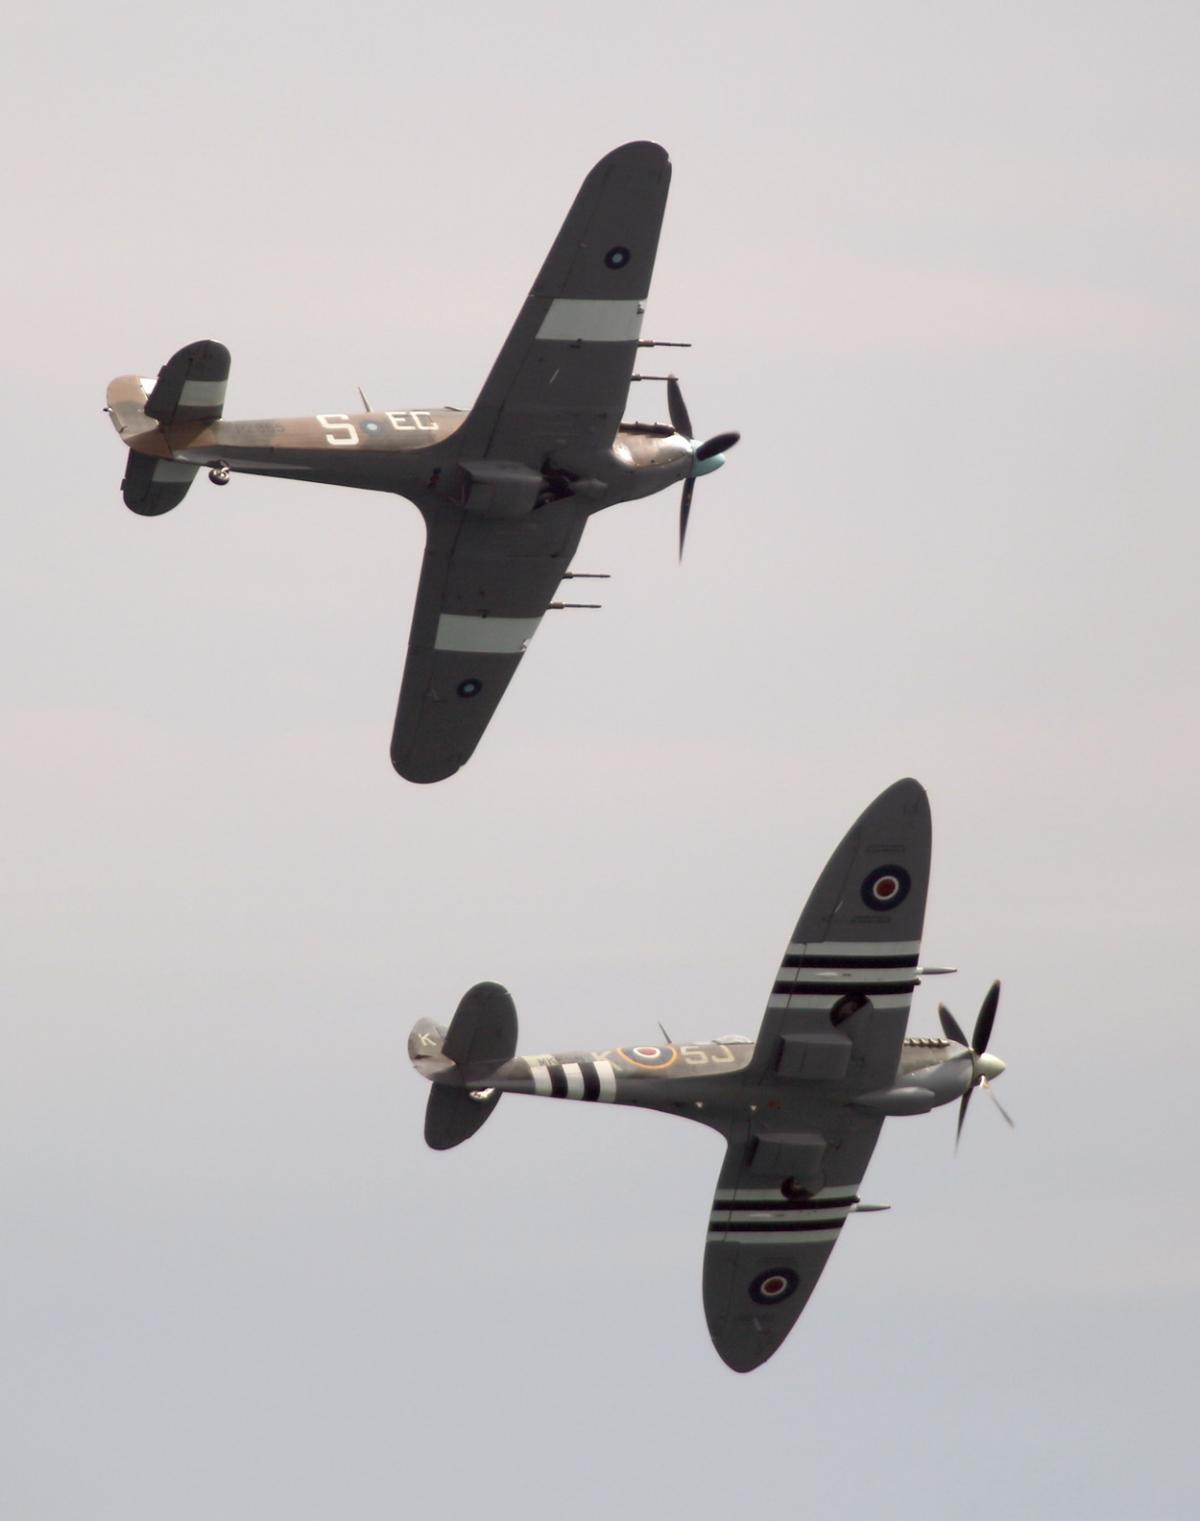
(886, 888)
(774, 1286)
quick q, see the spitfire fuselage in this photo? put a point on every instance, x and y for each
(706, 1081)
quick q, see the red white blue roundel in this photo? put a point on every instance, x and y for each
(774, 1286)
(886, 888)
(649, 1056)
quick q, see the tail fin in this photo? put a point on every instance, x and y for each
(482, 1036)
(153, 486)
(191, 385)
(190, 388)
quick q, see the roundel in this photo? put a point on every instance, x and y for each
(649, 1056)
(470, 688)
(774, 1286)
(617, 258)
(886, 888)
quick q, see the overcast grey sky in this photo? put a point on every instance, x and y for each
(939, 265)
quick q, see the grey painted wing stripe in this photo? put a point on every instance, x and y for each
(541, 1079)
(605, 321)
(574, 1076)
(471, 634)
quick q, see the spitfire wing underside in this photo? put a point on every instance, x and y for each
(833, 1031)
(765, 1252)
(485, 585)
(561, 380)
(839, 1007)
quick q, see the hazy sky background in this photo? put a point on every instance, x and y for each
(938, 262)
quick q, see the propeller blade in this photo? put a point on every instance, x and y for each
(1012, 1124)
(677, 409)
(951, 1025)
(685, 507)
(718, 444)
(962, 1114)
(987, 1018)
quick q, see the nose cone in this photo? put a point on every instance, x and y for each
(988, 1066)
(708, 465)
(710, 455)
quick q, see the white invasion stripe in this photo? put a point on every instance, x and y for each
(854, 948)
(171, 470)
(801, 1001)
(608, 1082)
(776, 1238)
(573, 1073)
(859, 975)
(203, 393)
(593, 321)
(476, 635)
(727, 1200)
(835, 1212)
(541, 1079)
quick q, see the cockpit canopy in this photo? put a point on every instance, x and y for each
(732, 1040)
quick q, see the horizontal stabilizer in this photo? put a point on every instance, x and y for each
(458, 1061)
(453, 1115)
(484, 1028)
(191, 385)
(153, 486)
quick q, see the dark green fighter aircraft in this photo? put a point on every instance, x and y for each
(505, 489)
(800, 1108)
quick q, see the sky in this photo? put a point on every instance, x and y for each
(938, 265)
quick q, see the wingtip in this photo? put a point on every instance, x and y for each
(641, 148)
(411, 770)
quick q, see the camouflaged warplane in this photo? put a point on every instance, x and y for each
(505, 489)
(800, 1108)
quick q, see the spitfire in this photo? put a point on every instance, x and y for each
(800, 1108)
(505, 489)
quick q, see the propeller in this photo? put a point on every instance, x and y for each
(983, 1066)
(709, 454)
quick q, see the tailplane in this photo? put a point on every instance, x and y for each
(457, 1061)
(190, 388)
(191, 385)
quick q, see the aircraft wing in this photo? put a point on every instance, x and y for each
(560, 383)
(764, 1252)
(484, 588)
(833, 1031)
